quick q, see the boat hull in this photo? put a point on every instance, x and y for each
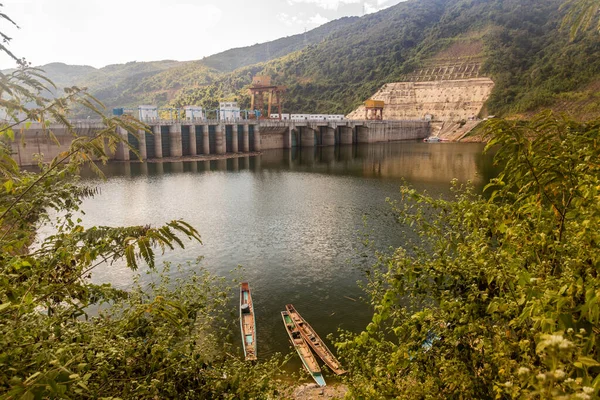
(311, 337)
(247, 323)
(308, 360)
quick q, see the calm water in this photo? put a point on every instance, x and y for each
(292, 219)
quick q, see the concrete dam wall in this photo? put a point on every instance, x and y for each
(35, 142)
(176, 139)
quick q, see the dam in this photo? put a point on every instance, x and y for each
(189, 138)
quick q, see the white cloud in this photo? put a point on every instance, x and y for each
(369, 9)
(291, 20)
(318, 20)
(370, 6)
(374, 6)
(325, 4)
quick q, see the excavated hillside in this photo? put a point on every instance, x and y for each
(448, 89)
(451, 100)
(452, 105)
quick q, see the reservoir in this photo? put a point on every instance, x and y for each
(294, 219)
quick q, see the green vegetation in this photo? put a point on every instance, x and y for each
(169, 340)
(338, 73)
(527, 48)
(233, 59)
(582, 15)
(157, 82)
(491, 297)
(498, 297)
(155, 86)
(532, 62)
(529, 58)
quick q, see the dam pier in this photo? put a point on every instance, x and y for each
(190, 138)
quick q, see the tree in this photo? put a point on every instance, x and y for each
(581, 16)
(498, 297)
(144, 343)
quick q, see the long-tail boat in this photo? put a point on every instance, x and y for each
(317, 344)
(247, 322)
(308, 360)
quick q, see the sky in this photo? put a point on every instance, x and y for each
(104, 32)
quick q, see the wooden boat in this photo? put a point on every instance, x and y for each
(317, 344)
(308, 360)
(247, 322)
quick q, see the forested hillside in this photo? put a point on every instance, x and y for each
(233, 59)
(111, 84)
(336, 74)
(157, 82)
(531, 60)
(333, 68)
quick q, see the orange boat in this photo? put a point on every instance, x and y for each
(317, 344)
(247, 322)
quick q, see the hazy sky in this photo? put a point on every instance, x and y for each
(102, 32)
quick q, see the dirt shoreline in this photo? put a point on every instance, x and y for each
(311, 391)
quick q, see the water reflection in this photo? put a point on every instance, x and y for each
(414, 161)
(292, 218)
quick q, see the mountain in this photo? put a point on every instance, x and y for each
(233, 59)
(334, 68)
(152, 83)
(111, 84)
(517, 43)
(64, 75)
(157, 82)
